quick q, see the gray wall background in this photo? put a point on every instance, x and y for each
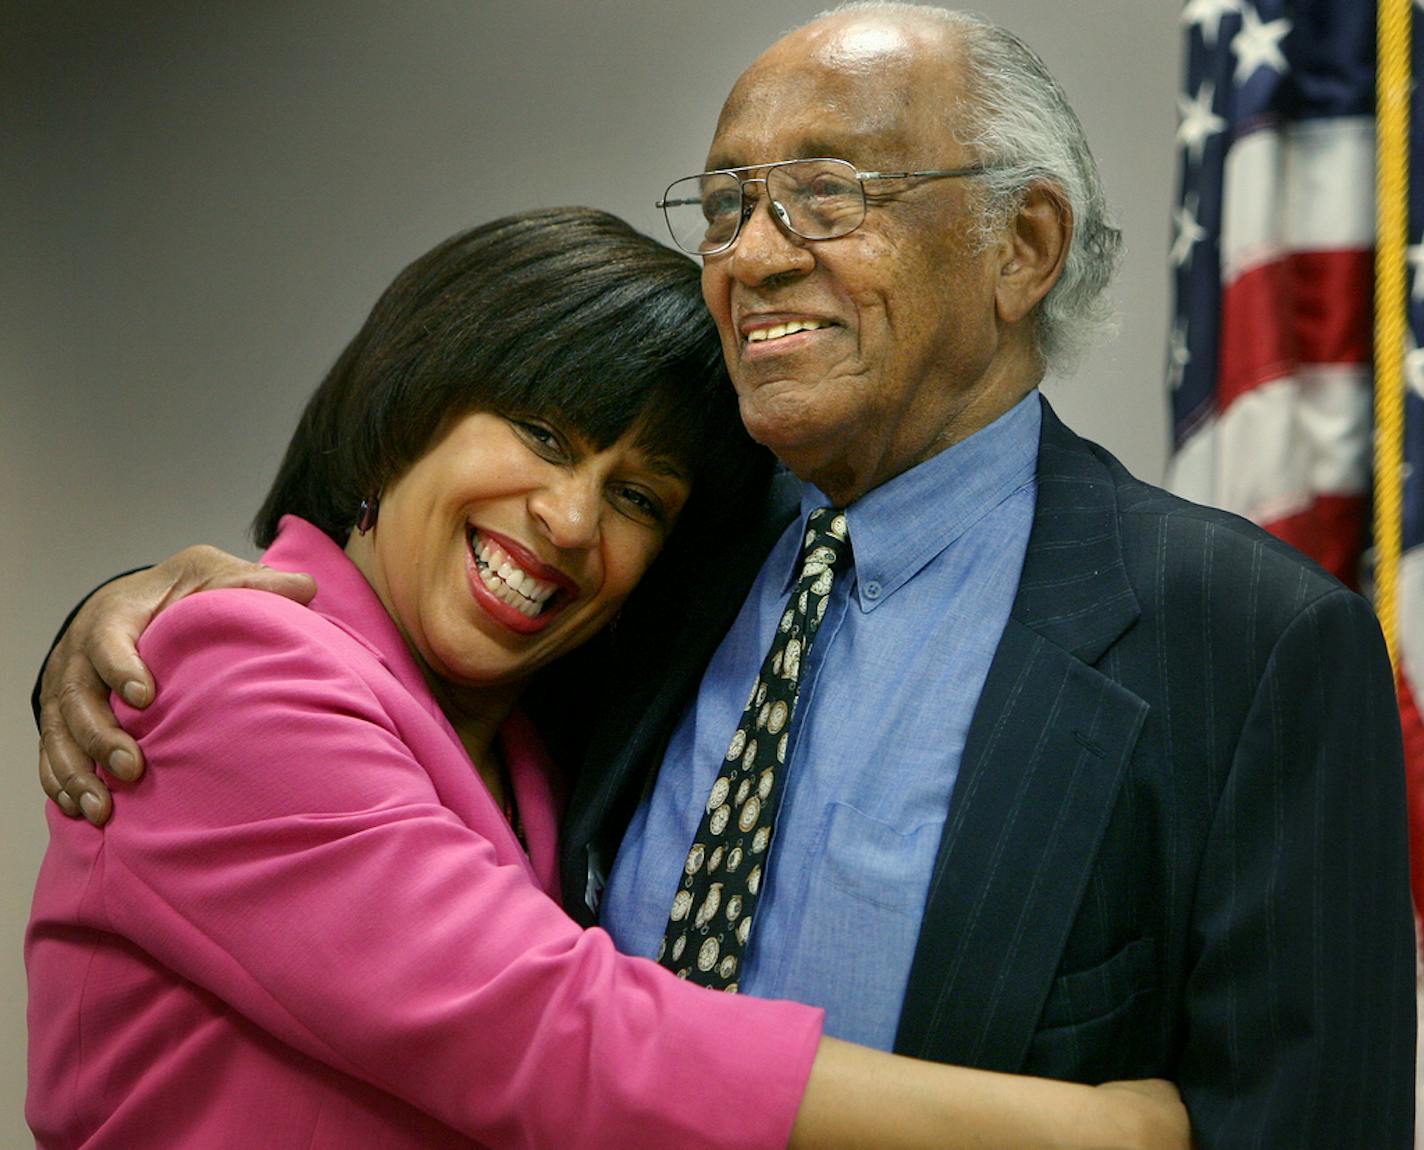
(199, 202)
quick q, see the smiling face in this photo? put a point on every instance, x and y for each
(858, 357)
(510, 542)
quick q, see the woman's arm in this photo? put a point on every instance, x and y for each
(857, 1097)
(367, 926)
(296, 853)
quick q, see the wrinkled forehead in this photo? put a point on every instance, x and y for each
(866, 91)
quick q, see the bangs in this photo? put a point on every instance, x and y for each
(594, 344)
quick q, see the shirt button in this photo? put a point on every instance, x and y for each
(872, 590)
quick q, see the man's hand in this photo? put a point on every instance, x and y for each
(99, 651)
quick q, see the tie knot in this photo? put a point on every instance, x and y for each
(827, 543)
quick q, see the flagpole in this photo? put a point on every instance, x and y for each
(1392, 224)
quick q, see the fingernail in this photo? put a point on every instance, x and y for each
(135, 693)
(92, 806)
(122, 764)
(66, 804)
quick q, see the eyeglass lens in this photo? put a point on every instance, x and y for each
(822, 199)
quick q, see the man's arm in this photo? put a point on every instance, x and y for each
(97, 651)
(1300, 1001)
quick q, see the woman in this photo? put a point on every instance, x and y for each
(315, 924)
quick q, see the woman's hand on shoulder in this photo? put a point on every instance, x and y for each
(99, 652)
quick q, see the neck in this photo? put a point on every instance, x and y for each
(1013, 372)
(476, 715)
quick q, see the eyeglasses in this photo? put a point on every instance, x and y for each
(821, 199)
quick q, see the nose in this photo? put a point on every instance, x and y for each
(568, 508)
(766, 247)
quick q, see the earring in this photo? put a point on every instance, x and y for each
(366, 514)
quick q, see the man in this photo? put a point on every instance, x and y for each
(1083, 781)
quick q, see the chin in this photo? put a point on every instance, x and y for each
(800, 435)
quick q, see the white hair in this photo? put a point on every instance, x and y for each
(1020, 125)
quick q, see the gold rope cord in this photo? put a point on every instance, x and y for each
(1391, 237)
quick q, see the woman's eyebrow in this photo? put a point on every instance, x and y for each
(667, 467)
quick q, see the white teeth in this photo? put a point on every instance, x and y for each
(506, 581)
(776, 331)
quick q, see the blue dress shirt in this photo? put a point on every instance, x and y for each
(887, 695)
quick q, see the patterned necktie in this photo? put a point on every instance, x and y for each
(711, 920)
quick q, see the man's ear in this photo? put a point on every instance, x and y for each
(1038, 239)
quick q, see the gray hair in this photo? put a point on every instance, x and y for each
(1020, 125)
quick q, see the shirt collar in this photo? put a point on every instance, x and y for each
(898, 527)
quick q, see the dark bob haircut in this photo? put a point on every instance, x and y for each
(568, 314)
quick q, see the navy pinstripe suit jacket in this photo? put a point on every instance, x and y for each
(1176, 846)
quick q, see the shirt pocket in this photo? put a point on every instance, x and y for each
(871, 860)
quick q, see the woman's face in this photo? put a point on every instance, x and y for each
(511, 541)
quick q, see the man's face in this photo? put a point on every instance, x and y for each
(897, 355)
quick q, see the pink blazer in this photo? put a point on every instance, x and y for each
(309, 925)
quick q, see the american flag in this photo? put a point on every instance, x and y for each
(1272, 255)
(1270, 355)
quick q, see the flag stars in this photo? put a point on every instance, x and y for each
(1199, 123)
(1207, 15)
(1189, 232)
(1414, 372)
(1413, 366)
(1258, 45)
(1415, 255)
(1178, 355)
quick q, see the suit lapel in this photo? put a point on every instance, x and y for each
(1046, 750)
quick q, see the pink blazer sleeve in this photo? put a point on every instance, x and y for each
(289, 854)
